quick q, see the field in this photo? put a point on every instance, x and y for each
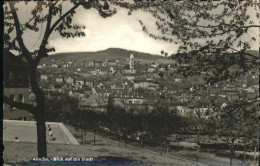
(105, 148)
(65, 144)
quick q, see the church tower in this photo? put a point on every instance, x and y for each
(131, 62)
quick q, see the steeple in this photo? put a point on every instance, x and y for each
(131, 62)
(131, 56)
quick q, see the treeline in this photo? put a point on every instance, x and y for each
(151, 127)
(237, 122)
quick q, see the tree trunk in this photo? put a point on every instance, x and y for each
(41, 133)
(141, 143)
(255, 161)
(125, 141)
(94, 138)
(231, 153)
(40, 114)
(198, 149)
(167, 148)
(82, 135)
(85, 134)
(245, 150)
(119, 140)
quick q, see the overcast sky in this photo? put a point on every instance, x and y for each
(120, 30)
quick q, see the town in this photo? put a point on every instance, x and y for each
(134, 84)
(101, 82)
(131, 84)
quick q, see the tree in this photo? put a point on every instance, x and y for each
(161, 122)
(61, 110)
(119, 123)
(93, 120)
(211, 36)
(235, 122)
(51, 13)
(53, 110)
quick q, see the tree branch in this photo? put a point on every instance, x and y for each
(25, 51)
(251, 26)
(63, 16)
(50, 30)
(215, 26)
(253, 56)
(46, 35)
(23, 106)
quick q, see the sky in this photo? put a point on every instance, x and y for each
(119, 31)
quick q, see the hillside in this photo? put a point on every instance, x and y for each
(113, 54)
(109, 54)
(253, 52)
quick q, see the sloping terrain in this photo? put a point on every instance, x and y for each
(109, 54)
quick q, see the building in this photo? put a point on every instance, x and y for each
(129, 69)
(131, 62)
(44, 77)
(16, 86)
(135, 100)
(94, 102)
(54, 66)
(69, 80)
(145, 85)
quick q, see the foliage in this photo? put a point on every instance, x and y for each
(161, 122)
(238, 120)
(61, 110)
(50, 14)
(210, 34)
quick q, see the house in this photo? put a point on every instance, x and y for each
(118, 84)
(87, 90)
(16, 86)
(94, 63)
(134, 99)
(59, 79)
(57, 88)
(94, 102)
(44, 77)
(146, 84)
(80, 82)
(89, 64)
(77, 93)
(69, 80)
(231, 93)
(39, 67)
(162, 69)
(54, 66)
(182, 110)
(155, 65)
(65, 65)
(151, 69)
(185, 111)
(89, 82)
(110, 63)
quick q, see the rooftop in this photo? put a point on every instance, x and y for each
(12, 60)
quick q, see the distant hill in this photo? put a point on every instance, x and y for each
(109, 54)
(113, 54)
(253, 52)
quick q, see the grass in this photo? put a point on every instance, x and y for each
(24, 151)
